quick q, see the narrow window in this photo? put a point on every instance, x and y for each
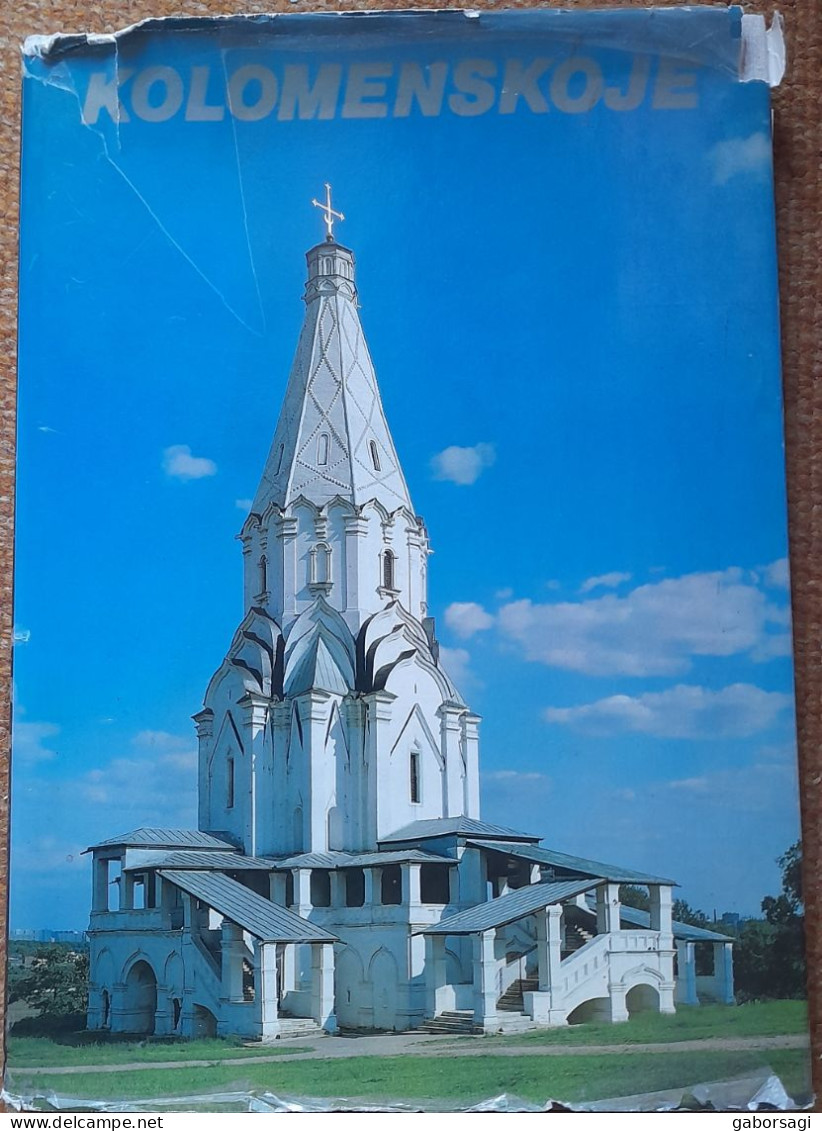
(322, 449)
(280, 459)
(320, 888)
(391, 885)
(354, 887)
(320, 563)
(415, 776)
(229, 783)
(388, 570)
(263, 574)
(375, 455)
(289, 889)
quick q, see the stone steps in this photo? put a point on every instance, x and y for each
(451, 1021)
(299, 1027)
(512, 1001)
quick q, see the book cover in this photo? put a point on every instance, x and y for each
(356, 805)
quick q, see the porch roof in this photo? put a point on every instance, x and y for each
(454, 826)
(164, 838)
(260, 917)
(507, 908)
(360, 859)
(211, 861)
(548, 856)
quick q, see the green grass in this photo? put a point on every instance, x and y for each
(42, 1052)
(689, 1023)
(453, 1078)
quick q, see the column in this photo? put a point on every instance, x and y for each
(619, 1010)
(163, 1022)
(724, 972)
(453, 886)
(435, 975)
(254, 719)
(265, 970)
(450, 737)
(289, 968)
(377, 812)
(544, 1004)
(231, 951)
(411, 887)
(485, 979)
(356, 528)
(302, 890)
(661, 908)
(100, 886)
(287, 538)
(119, 1017)
(322, 986)
(686, 973)
(608, 908)
(126, 891)
(470, 738)
(372, 888)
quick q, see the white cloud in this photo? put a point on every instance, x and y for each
(654, 629)
(152, 784)
(179, 463)
(46, 428)
(684, 711)
(466, 618)
(29, 742)
(457, 663)
(740, 155)
(777, 574)
(21, 635)
(463, 465)
(243, 504)
(514, 776)
(604, 581)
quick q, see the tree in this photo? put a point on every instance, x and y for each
(632, 896)
(682, 912)
(54, 983)
(769, 960)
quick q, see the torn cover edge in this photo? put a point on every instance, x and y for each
(762, 53)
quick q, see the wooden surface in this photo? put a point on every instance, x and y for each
(798, 152)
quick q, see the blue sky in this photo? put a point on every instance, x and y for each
(573, 319)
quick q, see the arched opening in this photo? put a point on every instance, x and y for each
(375, 455)
(263, 573)
(595, 1009)
(140, 999)
(642, 999)
(414, 774)
(205, 1023)
(105, 1010)
(320, 564)
(229, 783)
(388, 572)
(279, 459)
(322, 449)
(176, 1014)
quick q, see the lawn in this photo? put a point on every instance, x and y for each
(689, 1023)
(450, 1079)
(85, 1048)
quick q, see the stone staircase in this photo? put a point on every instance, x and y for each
(299, 1027)
(511, 1001)
(451, 1021)
(576, 936)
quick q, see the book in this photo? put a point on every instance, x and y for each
(521, 771)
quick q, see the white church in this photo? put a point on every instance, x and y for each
(341, 876)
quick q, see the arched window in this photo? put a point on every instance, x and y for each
(280, 459)
(263, 574)
(320, 564)
(414, 774)
(388, 577)
(229, 783)
(322, 449)
(375, 454)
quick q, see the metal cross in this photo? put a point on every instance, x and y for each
(329, 215)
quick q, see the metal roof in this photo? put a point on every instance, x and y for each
(361, 859)
(207, 861)
(685, 931)
(507, 908)
(454, 826)
(547, 856)
(164, 838)
(260, 917)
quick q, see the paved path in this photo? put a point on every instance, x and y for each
(419, 1044)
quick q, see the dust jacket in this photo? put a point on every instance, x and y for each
(345, 801)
